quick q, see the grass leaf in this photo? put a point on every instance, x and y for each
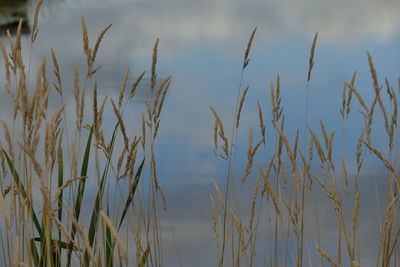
(96, 209)
(145, 256)
(60, 198)
(23, 192)
(81, 190)
(132, 191)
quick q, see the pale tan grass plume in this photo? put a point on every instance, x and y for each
(311, 59)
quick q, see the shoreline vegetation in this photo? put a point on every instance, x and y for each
(48, 164)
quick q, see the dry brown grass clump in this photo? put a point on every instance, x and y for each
(40, 204)
(287, 229)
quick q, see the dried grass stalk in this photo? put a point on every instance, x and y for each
(56, 72)
(393, 121)
(268, 187)
(135, 85)
(215, 137)
(81, 108)
(296, 144)
(239, 229)
(390, 211)
(66, 184)
(250, 155)
(101, 112)
(287, 145)
(164, 93)
(221, 131)
(354, 220)
(153, 65)
(121, 159)
(242, 99)
(95, 111)
(246, 59)
(262, 125)
(344, 173)
(358, 95)
(389, 89)
(325, 254)
(143, 132)
(121, 123)
(28, 150)
(369, 119)
(5, 213)
(357, 264)
(343, 107)
(311, 59)
(85, 39)
(214, 219)
(253, 205)
(307, 168)
(6, 65)
(116, 236)
(122, 89)
(98, 41)
(350, 94)
(76, 93)
(385, 161)
(36, 20)
(83, 233)
(17, 43)
(359, 150)
(377, 90)
(218, 192)
(276, 100)
(8, 139)
(65, 232)
(315, 140)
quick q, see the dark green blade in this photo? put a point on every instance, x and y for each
(54, 243)
(132, 190)
(23, 193)
(96, 209)
(34, 253)
(81, 189)
(145, 256)
(60, 199)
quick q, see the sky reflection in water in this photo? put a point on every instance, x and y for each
(201, 47)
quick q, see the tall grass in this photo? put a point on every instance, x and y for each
(49, 164)
(293, 177)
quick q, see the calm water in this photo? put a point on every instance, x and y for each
(201, 47)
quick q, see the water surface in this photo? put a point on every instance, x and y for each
(201, 47)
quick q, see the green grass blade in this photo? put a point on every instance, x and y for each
(96, 209)
(81, 189)
(54, 243)
(132, 190)
(23, 192)
(47, 248)
(34, 253)
(60, 198)
(145, 256)
(60, 183)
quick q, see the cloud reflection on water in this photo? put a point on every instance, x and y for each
(201, 47)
